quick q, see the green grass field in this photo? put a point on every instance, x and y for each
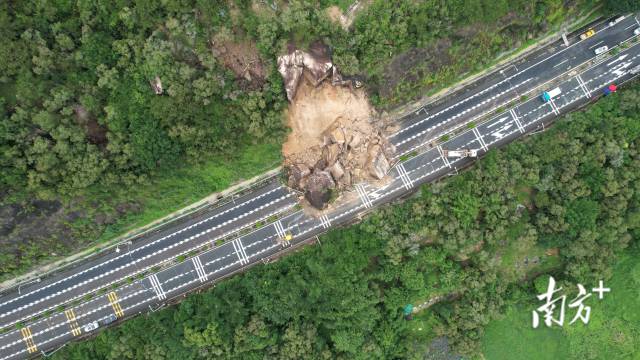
(613, 331)
(513, 338)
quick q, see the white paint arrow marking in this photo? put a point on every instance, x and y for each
(498, 134)
(618, 59)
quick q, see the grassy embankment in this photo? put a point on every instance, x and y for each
(613, 331)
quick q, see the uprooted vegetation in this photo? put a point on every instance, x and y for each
(335, 141)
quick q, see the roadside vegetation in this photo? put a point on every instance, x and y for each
(565, 202)
(612, 331)
(89, 150)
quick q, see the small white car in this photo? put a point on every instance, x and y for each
(91, 326)
(616, 20)
(635, 70)
(636, 31)
(601, 49)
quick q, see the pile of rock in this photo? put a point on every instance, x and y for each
(347, 156)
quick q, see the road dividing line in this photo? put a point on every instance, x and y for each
(479, 137)
(202, 275)
(324, 220)
(596, 44)
(241, 247)
(242, 256)
(515, 118)
(406, 180)
(444, 158)
(279, 229)
(282, 233)
(28, 339)
(583, 86)
(157, 288)
(553, 106)
(73, 324)
(363, 195)
(561, 62)
(238, 252)
(115, 304)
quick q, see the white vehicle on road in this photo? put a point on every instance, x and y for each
(616, 20)
(548, 95)
(636, 31)
(460, 153)
(601, 49)
(91, 326)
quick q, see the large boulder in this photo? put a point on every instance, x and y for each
(337, 136)
(377, 163)
(336, 170)
(318, 189)
(355, 140)
(297, 173)
(331, 153)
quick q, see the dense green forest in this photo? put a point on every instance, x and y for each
(569, 197)
(88, 149)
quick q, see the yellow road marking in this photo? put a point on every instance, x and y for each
(71, 316)
(28, 339)
(113, 300)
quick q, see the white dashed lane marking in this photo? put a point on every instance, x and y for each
(618, 75)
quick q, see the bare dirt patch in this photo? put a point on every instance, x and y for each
(240, 57)
(334, 142)
(96, 133)
(315, 110)
(336, 15)
(346, 19)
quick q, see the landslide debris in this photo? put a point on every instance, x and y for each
(335, 140)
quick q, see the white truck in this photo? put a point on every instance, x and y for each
(548, 95)
(460, 153)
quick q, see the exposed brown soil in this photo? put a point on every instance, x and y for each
(315, 110)
(96, 133)
(346, 19)
(335, 15)
(242, 58)
(334, 143)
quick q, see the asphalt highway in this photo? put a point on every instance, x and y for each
(502, 87)
(258, 243)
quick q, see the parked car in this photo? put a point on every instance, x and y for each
(601, 49)
(588, 34)
(111, 318)
(636, 31)
(91, 326)
(616, 20)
